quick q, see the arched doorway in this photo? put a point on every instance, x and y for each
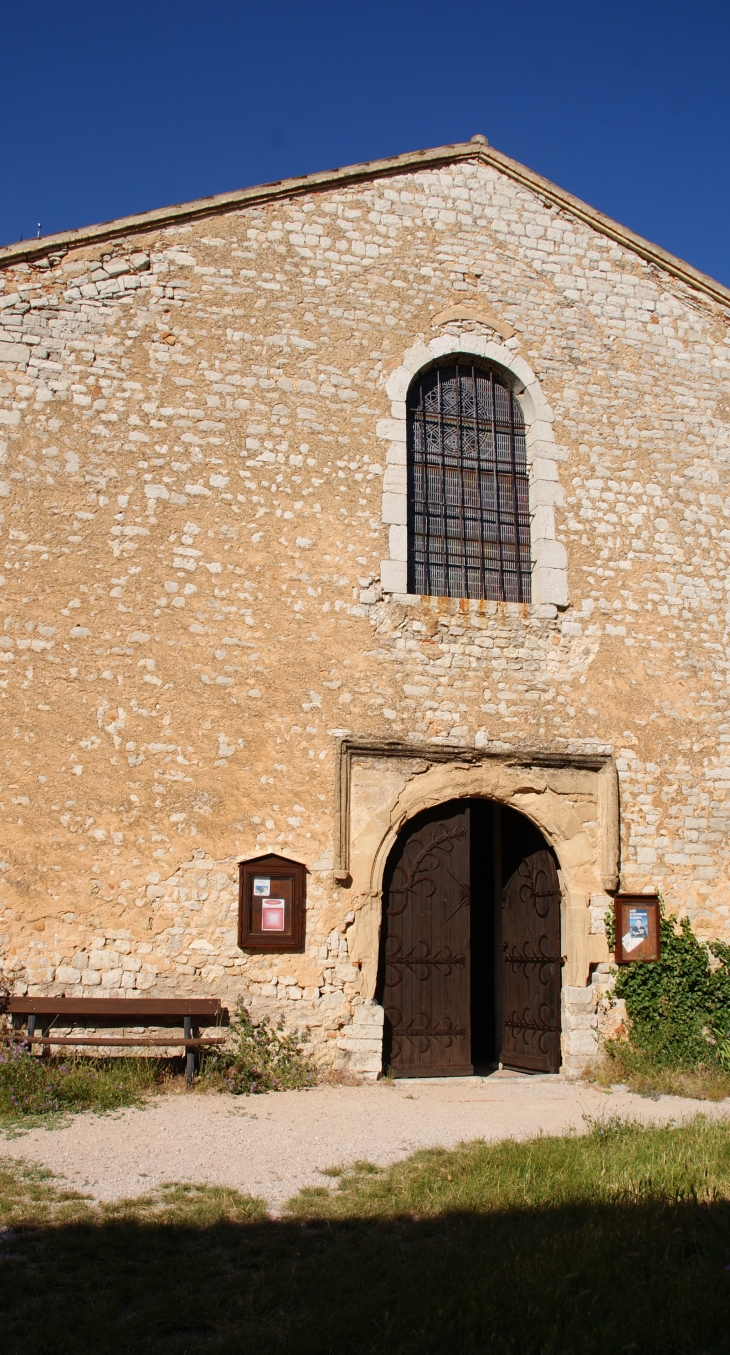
(469, 970)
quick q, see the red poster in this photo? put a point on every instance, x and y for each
(272, 915)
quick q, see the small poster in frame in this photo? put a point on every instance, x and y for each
(272, 915)
(637, 928)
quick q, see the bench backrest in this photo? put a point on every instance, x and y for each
(133, 1007)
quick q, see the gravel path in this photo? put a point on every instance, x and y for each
(273, 1145)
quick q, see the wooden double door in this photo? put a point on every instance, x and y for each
(470, 945)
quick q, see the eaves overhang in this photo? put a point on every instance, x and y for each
(478, 149)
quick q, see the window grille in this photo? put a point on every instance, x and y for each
(468, 512)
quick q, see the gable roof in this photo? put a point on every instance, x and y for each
(476, 149)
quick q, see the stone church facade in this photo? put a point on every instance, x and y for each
(209, 648)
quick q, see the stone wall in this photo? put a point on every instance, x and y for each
(193, 612)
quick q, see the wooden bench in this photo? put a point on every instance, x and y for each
(108, 1012)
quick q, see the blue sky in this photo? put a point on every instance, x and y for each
(108, 110)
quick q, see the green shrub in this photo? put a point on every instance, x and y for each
(679, 1006)
(31, 1085)
(261, 1057)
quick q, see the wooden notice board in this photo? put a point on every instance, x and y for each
(637, 928)
(271, 900)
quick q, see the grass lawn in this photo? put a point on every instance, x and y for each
(614, 1242)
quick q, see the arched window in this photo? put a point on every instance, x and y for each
(468, 514)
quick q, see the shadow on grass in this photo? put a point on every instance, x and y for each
(568, 1280)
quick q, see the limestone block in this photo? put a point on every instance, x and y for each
(398, 541)
(333, 999)
(367, 1063)
(579, 997)
(115, 267)
(368, 1014)
(577, 1020)
(541, 430)
(106, 959)
(550, 585)
(67, 974)
(394, 576)
(544, 474)
(359, 1044)
(16, 353)
(395, 480)
(543, 523)
(581, 1042)
(389, 429)
(397, 453)
(551, 555)
(395, 509)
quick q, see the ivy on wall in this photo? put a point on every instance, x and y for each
(679, 1006)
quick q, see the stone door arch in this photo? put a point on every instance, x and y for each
(571, 798)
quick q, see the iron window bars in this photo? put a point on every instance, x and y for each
(468, 512)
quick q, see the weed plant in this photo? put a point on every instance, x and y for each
(259, 1057)
(32, 1086)
(628, 1064)
(615, 1241)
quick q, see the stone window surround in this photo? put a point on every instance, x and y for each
(550, 565)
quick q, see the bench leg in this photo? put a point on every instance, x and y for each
(31, 1023)
(190, 1053)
